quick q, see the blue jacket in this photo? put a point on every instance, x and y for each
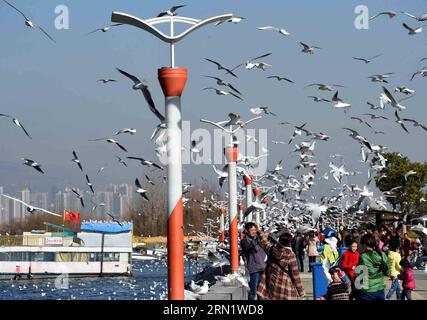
(254, 254)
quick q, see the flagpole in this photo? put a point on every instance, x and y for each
(63, 219)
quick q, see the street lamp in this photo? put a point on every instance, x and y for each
(172, 81)
(231, 153)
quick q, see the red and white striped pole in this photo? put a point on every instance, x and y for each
(257, 193)
(221, 226)
(264, 212)
(248, 185)
(231, 155)
(172, 81)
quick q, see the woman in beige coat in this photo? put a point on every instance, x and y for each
(312, 243)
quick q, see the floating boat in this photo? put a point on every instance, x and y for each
(99, 249)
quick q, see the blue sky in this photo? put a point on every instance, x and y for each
(52, 88)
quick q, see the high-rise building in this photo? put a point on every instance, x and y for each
(39, 199)
(4, 208)
(124, 205)
(106, 197)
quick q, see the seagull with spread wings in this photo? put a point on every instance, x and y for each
(30, 208)
(221, 67)
(106, 28)
(140, 190)
(367, 60)
(28, 22)
(32, 164)
(171, 11)
(145, 89)
(221, 82)
(17, 123)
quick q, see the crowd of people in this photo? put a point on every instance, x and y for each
(275, 261)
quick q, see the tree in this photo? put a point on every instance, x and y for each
(407, 180)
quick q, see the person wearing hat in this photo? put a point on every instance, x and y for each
(330, 251)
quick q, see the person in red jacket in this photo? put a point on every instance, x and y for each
(407, 278)
(350, 259)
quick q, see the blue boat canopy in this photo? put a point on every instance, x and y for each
(106, 227)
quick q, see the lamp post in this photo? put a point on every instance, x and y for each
(172, 81)
(257, 192)
(231, 153)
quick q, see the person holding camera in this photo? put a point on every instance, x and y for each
(370, 271)
(256, 258)
(281, 279)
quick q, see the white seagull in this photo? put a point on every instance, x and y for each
(30, 208)
(308, 49)
(32, 164)
(140, 190)
(222, 92)
(105, 29)
(28, 22)
(271, 28)
(412, 31)
(340, 104)
(17, 123)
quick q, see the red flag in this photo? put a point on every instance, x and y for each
(72, 216)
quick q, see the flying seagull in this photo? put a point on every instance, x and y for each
(121, 161)
(400, 121)
(259, 110)
(79, 196)
(77, 161)
(221, 67)
(32, 164)
(131, 131)
(279, 78)
(318, 99)
(249, 64)
(392, 100)
(415, 123)
(109, 140)
(105, 29)
(420, 18)
(324, 87)
(412, 31)
(271, 28)
(143, 86)
(307, 48)
(339, 103)
(114, 219)
(368, 60)
(380, 77)
(140, 190)
(146, 162)
(404, 90)
(104, 81)
(30, 208)
(17, 123)
(222, 92)
(28, 22)
(390, 14)
(171, 11)
(233, 19)
(422, 73)
(221, 82)
(90, 185)
(149, 180)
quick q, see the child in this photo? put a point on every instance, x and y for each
(340, 287)
(350, 259)
(408, 280)
(394, 259)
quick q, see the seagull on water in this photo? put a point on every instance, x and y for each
(271, 28)
(30, 208)
(33, 164)
(145, 89)
(28, 22)
(17, 123)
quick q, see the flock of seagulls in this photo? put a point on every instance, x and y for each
(282, 199)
